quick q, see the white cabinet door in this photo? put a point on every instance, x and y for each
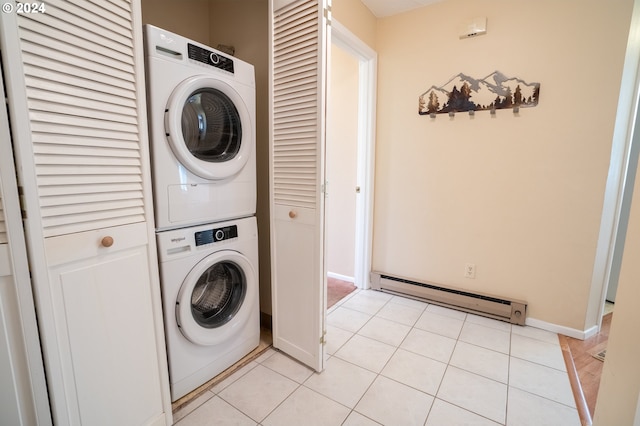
(104, 320)
(299, 37)
(23, 399)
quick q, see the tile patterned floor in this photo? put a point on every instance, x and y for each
(397, 361)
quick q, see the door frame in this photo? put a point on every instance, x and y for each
(620, 181)
(367, 83)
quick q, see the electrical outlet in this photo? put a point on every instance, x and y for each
(470, 270)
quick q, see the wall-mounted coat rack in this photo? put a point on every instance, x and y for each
(467, 94)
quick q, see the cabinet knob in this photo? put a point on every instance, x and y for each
(293, 214)
(107, 241)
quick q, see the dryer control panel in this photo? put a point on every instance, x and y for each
(209, 57)
(215, 235)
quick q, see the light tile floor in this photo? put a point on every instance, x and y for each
(397, 361)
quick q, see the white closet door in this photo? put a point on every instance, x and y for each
(79, 73)
(23, 400)
(76, 92)
(299, 38)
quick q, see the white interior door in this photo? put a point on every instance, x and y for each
(23, 400)
(75, 83)
(298, 96)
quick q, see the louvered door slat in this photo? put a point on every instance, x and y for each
(56, 129)
(84, 151)
(42, 140)
(302, 94)
(89, 198)
(67, 13)
(68, 181)
(75, 43)
(69, 224)
(64, 106)
(80, 99)
(80, 87)
(61, 120)
(84, 160)
(104, 9)
(79, 68)
(89, 68)
(299, 52)
(295, 71)
(71, 75)
(79, 189)
(119, 8)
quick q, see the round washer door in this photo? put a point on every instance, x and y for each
(209, 127)
(216, 298)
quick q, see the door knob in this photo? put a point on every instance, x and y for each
(107, 241)
(293, 214)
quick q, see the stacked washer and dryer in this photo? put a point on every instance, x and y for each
(201, 106)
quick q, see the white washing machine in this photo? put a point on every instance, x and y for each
(201, 106)
(209, 279)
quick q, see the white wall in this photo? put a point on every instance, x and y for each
(519, 196)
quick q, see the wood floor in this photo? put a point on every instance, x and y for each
(588, 368)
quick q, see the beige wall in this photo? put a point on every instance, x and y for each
(244, 25)
(519, 196)
(188, 18)
(341, 162)
(357, 18)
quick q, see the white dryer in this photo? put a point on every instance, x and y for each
(201, 106)
(209, 279)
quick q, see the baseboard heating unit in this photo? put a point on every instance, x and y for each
(513, 311)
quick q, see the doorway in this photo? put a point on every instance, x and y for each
(349, 164)
(341, 174)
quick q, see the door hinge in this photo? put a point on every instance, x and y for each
(323, 338)
(23, 209)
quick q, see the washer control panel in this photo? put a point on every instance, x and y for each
(208, 57)
(215, 235)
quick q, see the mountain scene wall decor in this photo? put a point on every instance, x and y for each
(463, 93)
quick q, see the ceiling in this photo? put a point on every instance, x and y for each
(383, 8)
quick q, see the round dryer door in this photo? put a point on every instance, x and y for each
(208, 127)
(213, 301)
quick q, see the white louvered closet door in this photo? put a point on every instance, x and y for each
(81, 86)
(300, 32)
(23, 400)
(77, 106)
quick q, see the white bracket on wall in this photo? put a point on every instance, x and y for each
(478, 26)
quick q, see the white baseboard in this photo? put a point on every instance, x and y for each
(341, 277)
(560, 329)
